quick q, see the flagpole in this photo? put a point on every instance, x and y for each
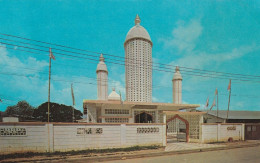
(217, 107)
(229, 99)
(49, 89)
(207, 108)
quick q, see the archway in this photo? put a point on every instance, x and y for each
(184, 130)
(143, 118)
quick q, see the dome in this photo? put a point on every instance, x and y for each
(101, 65)
(137, 31)
(114, 96)
(177, 74)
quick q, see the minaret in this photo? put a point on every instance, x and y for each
(177, 86)
(138, 64)
(102, 73)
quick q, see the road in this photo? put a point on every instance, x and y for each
(238, 155)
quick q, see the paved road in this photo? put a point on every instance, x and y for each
(239, 155)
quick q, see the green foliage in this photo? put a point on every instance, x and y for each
(80, 152)
(23, 110)
(58, 113)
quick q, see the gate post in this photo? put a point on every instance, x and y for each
(164, 118)
(243, 131)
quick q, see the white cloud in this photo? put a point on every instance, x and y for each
(33, 86)
(11, 64)
(203, 59)
(184, 36)
(184, 39)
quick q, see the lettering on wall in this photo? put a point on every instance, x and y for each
(87, 131)
(231, 128)
(13, 131)
(144, 130)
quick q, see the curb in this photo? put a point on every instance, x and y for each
(143, 155)
(155, 154)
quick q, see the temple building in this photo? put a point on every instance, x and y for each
(138, 106)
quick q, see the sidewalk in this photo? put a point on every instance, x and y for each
(182, 146)
(171, 149)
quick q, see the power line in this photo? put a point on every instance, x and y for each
(203, 74)
(119, 56)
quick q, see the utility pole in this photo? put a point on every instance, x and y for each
(51, 56)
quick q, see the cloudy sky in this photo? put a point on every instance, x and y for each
(219, 36)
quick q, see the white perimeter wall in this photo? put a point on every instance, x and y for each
(222, 132)
(66, 137)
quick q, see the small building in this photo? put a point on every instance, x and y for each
(251, 119)
(214, 116)
(116, 111)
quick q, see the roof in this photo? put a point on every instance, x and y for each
(177, 74)
(113, 95)
(137, 31)
(101, 65)
(183, 113)
(140, 105)
(236, 114)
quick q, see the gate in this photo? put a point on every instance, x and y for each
(252, 131)
(177, 129)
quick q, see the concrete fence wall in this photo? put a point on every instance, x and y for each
(219, 132)
(42, 137)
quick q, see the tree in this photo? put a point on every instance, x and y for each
(23, 110)
(58, 113)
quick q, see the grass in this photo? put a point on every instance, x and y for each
(79, 152)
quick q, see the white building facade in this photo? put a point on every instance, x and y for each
(138, 64)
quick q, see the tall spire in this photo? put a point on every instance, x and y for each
(137, 20)
(177, 69)
(102, 76)
(101, 58)
(177, 86)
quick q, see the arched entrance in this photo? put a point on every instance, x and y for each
(143, 118)
(177, 128)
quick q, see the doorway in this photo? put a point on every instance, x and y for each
(143, 118)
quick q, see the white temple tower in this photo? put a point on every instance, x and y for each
(102, 73)
(177, 86)
(138, 64)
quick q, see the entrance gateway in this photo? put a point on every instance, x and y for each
(183, 126)
(177, 129)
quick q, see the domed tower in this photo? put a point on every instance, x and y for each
(177, 86)
(102, 73)
(138, 64)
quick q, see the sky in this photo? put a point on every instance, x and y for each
(220, 36)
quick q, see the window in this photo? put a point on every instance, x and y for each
(116, 111)
(116, 120)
